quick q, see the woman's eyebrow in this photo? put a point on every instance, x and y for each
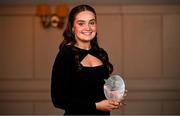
(80, 20)
(93, 20)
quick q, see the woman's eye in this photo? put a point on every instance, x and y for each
(80, 24)
(92, 23)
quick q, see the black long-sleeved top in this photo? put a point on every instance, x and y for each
(77, 90)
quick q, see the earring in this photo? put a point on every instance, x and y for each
(73, 30)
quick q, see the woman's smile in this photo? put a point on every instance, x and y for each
(86, 33)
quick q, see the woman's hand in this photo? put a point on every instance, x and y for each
(109, 105)
(121, 101)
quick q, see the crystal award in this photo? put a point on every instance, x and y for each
(114, 87)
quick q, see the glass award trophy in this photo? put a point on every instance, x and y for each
(114, 87)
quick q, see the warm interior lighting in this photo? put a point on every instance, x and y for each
(42, 10)
(62, 10)
(50, 19)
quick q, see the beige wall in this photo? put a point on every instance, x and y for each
(142, 42)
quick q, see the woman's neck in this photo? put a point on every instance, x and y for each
(85, 46)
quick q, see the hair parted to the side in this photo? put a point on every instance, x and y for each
(69, 37)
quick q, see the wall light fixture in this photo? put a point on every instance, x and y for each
(50, 19)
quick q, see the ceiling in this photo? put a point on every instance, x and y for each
(94, 2)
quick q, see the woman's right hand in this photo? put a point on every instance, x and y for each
(107, 105)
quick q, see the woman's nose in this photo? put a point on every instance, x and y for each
(87, 27)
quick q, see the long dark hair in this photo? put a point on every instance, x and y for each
(69, 37)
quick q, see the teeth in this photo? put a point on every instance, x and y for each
(86, 33)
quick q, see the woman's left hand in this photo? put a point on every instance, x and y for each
(121, 101)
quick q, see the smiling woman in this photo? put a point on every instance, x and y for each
(80, 68)
(84, 27)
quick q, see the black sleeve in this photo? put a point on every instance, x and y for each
(62, 74)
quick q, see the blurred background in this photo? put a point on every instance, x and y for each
(142, 38)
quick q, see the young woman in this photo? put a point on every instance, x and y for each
(80, 68)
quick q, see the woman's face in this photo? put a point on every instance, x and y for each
(84, 26)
